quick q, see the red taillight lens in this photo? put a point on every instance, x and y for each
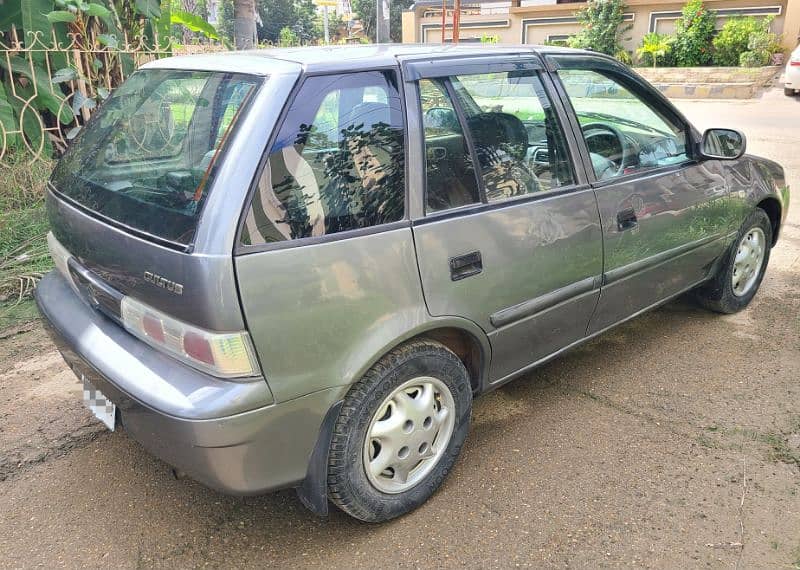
(198, 348)
(152, 326)
(795, 63)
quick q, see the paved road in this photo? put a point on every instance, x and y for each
(672, 441)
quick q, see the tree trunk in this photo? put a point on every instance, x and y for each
(244, 24)
(189, 6)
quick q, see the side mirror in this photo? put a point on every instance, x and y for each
(723, 144)
(441, 118)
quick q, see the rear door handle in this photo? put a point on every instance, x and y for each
(465, 265)
(626, 219)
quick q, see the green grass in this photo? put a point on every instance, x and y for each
(23, 229)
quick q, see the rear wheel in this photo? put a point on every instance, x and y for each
(399, 432)
(738, 280)
(788, 92)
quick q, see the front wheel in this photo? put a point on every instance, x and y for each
(788, 92)
(739, 278)
(399, 432)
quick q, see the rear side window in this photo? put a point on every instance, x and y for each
(450, 174)
(146, 160)
(337, 164)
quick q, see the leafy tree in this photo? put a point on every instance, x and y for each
(365, 10)
(225, 24)
(298, 15)
(602, 22)
(694, 33)
(654, 46)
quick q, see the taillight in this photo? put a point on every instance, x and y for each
(226, 355)
(60, 255)
(795, 63)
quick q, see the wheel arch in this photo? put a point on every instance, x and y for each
(772, 208)
(462, 336)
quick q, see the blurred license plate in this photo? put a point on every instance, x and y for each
(103, 409)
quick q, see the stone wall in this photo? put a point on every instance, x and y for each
(710, 82)
(759, 75)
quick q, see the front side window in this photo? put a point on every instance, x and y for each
(623, 133)
(518, 141)
(337, 164)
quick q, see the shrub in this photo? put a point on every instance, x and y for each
(288, 37)
(732, 41)
(654, 48)
(624, 56)
(754, 59)
(602, 26)
(694, 32)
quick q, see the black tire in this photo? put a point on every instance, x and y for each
(717, 295)
(788, 92)
(349, 487)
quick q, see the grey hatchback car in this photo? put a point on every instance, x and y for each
(298, 267)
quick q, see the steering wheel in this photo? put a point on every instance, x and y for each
(605, 167)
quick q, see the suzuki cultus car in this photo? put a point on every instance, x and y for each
(298, 267)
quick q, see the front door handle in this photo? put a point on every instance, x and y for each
(465, 266)
(626, 219)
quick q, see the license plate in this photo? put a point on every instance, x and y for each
(103, 408)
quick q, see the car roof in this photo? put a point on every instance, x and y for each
(341, 57)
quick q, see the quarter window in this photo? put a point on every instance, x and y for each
(623, 133)
(338, 162)
(518, 141)
(450, 175)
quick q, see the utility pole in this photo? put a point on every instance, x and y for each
(325, 23)
(382, 21)
(444, 18)
(456, 20)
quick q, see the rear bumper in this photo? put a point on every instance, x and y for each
(227, 435)
(792, 77)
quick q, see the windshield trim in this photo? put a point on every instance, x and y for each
(176, 245)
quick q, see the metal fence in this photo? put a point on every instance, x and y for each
(50, 86)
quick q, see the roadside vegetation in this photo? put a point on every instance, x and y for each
(742, 41)
(23, 229)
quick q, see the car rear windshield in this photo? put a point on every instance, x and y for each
(147, 159)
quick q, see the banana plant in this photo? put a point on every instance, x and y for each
(95, 30)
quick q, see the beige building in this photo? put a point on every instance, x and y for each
(539, 21)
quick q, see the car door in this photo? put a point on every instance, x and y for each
(666, 217)
(509, 235)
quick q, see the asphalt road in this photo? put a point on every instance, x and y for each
(672, 441)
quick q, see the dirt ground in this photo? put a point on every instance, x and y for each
(670, 442)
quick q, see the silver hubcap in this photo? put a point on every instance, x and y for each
(409, 434)
(747, 264)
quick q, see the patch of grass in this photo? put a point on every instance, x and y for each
(796, 558)
(23, 228)
(18, 312)
(22, 184)
(778, 448)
